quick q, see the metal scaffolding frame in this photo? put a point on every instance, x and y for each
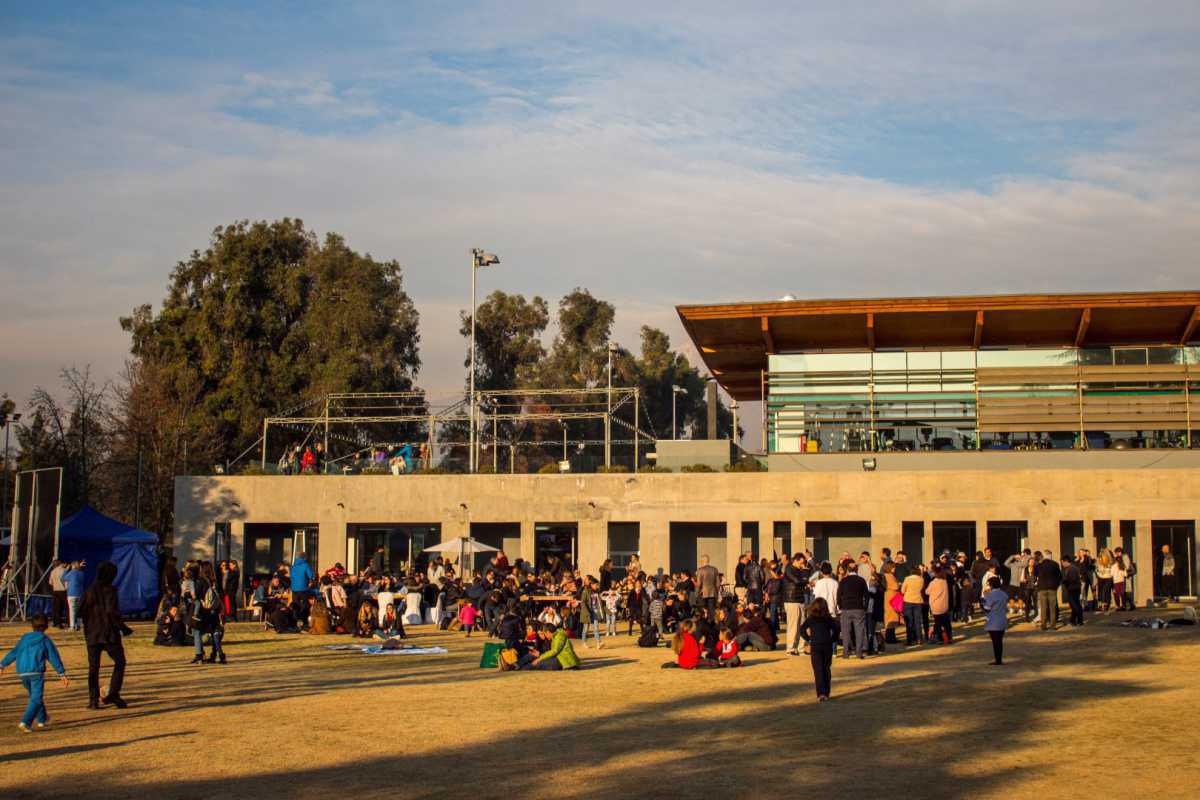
(491, 408)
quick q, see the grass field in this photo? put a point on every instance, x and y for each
(1099, 712)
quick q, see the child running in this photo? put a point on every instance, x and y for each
(467, 615)
(32, 652)
(820, 631)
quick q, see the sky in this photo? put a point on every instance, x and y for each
(655, 153)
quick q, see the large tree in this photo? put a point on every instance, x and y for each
(508, 344)
(266, 317)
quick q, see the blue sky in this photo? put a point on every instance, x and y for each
(656, 153)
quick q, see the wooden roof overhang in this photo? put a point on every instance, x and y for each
(735, 339)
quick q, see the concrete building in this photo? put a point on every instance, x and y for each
(1050, 421)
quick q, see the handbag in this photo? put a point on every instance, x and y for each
(897, 603)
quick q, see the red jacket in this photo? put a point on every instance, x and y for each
(689, 654)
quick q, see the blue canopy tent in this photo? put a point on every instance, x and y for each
(93, 537)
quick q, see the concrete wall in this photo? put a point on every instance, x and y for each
(886, 499)
(676, 454)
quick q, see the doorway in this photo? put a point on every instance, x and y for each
(556, 545)
(624, 540)
(504, 536)
(833, 540)
(268, 545)
(691, 540)
(955, 537)
(389, 548)
(1180, 536)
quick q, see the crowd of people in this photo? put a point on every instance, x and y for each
(709, 620)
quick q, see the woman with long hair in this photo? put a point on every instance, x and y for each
(687, 649)
(891, 588)
(1104, 579)
(820, 631)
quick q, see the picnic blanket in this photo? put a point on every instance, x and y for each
(378, 649)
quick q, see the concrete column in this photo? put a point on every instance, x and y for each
(1143, 556)
(766, 538)
(593, 545)
(1043, 534)
(237, 544)
(1089, 535)
(527, 540)
(331, 543)
(927, 541)
(886, 532)
(654, 545)
(733, 548)
(799, 534)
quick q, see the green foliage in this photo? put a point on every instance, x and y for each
(254, 468)
(653, 468)
(507, 338)
(696, 468)
(268, 316)
(549, 468)
(746, 464)
(615, 468)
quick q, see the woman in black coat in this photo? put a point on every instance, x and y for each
(103, 629)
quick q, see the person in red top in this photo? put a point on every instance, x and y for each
(727, 650)
(687, 649)
(307, 461)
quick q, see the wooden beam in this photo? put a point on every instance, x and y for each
(1085, 319)
(870, 330)
(977, 338)
(768, 339)
(1190, 329)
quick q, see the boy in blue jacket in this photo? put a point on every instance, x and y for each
(32, 652)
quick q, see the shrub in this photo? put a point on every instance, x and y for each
(549, 468)
(697, 468)
(747, 464)
(613, 468)
(653, 468)
(254, 469)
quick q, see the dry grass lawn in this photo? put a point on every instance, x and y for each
(1100, 712)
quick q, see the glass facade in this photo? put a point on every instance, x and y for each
(1053, 398)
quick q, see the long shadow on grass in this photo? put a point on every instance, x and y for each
(920, 735)
(50, 752)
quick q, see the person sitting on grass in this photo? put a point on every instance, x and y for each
(170, 628)
(32, 652)
(560, 655)
(687, 649)
(728, 650)
(755, 632)
(319, 623)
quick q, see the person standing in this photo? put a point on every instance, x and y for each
(852, 606)
(708, 583)
(103, 629)
(73, 580)
(1018, 569)
(820, 632)
(913, 589)
(995, 610)
(1166, 574)
(754, 578)
(791, 589)
(302, 582)
(939, 605)
(1072, 584)
(58, 590)
(1047, 578)
(826, 587)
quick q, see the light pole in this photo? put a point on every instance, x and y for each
(6, 419)
(612, 348)
(733, 406)
(675, 392)
(564, 427)
(479, 258)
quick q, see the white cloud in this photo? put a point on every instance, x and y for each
(676, 170)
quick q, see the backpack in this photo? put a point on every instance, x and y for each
(210, 600)
(1129, 573)
(649, 638)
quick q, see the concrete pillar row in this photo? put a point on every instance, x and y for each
(654, 545)
(593, 545)
(527, 540)
(1143, 556)
(733, 548)
(766, 538)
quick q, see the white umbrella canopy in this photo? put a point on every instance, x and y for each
(463, 545)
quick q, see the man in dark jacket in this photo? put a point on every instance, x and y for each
(1047, 578)
(103, 629)
(792, 587)
(752, 574)
(1072, 584)
(852, 604)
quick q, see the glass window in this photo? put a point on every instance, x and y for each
(1129, 356)
(1096, 357)
(1058, 357)
(1165, 355)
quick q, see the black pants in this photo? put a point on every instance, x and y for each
(997, 645)
(711, 604)
(822, 664)
(116, 651)
(1076, 606)
(941, 628)
(58, 609)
